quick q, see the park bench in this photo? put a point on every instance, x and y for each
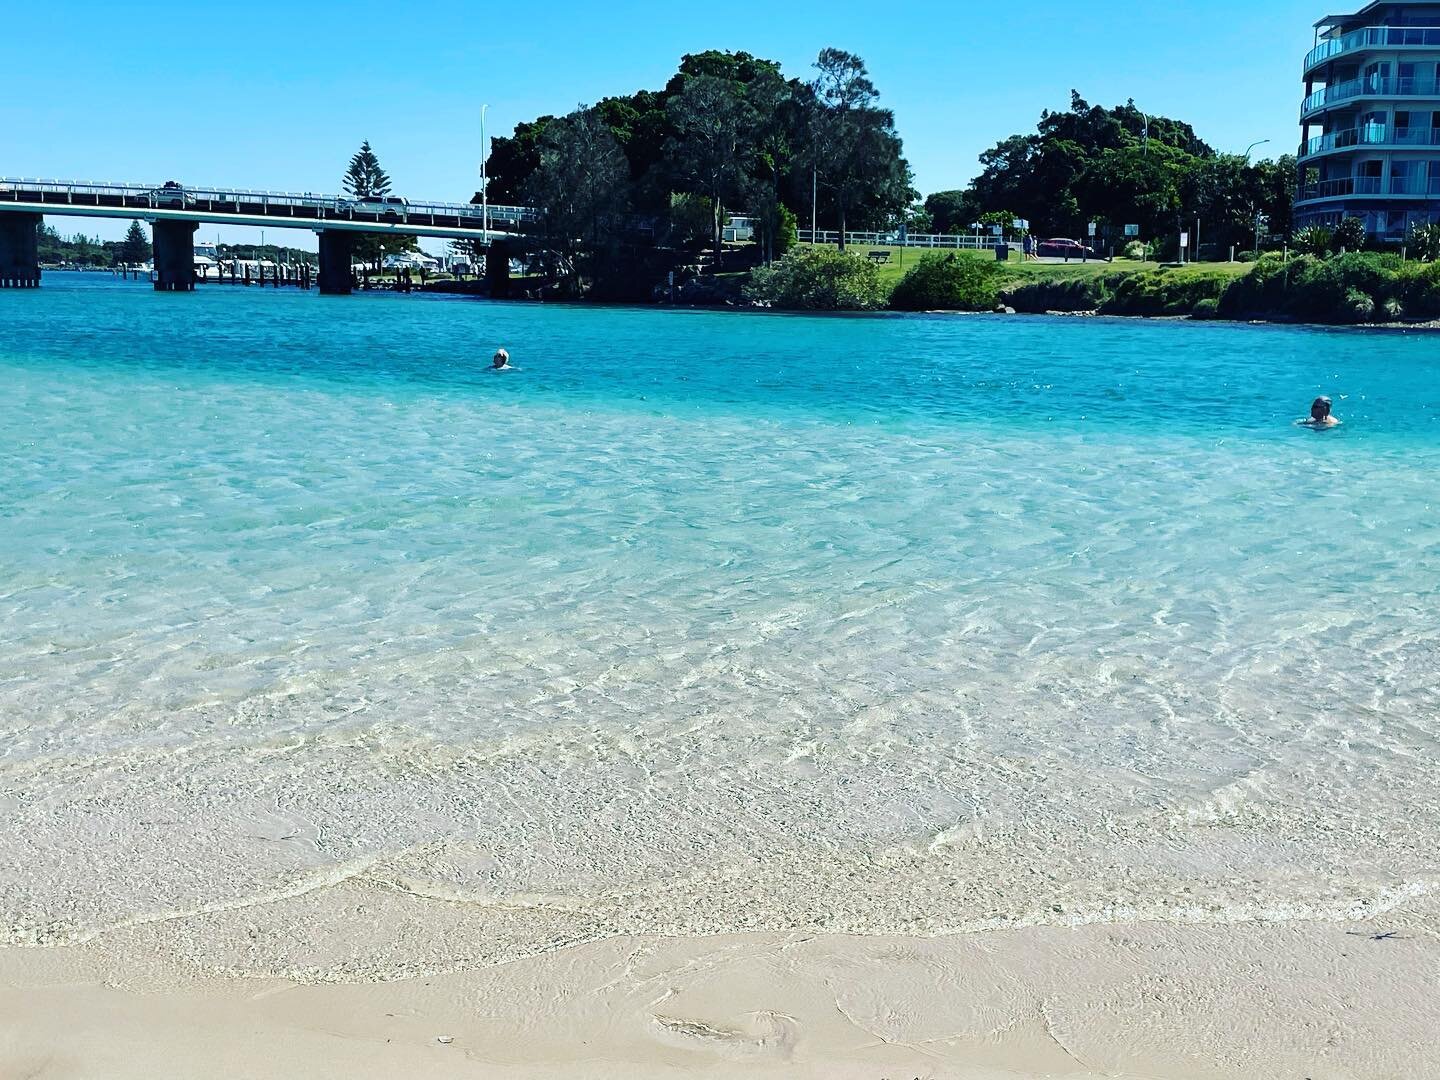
(879, 256)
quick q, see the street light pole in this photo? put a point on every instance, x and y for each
(1252, 146)
(484, 179)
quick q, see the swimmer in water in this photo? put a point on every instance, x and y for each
(1319, 415)
(502, 361)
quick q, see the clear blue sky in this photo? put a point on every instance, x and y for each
(280, 96)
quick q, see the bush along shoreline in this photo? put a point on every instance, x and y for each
(1348, 289)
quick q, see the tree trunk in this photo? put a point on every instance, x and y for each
(842, 226)
(717, 216)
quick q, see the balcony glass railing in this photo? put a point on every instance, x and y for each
(1371, 185)
(1372, 86)
(1414, 185)
(1370, 37)
(1371, 135)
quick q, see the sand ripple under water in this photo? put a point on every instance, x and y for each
(294, 634)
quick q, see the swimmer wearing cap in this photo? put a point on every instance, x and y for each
(502, 361)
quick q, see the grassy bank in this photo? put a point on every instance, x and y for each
(1361, 287)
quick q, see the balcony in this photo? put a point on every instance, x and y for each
(1370, 135)
(1372, 37)
(1373, 86)
(1371, 185)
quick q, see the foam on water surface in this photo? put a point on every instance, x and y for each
(698, 623)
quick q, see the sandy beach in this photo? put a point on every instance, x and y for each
(1322, 1000)
(684, 720)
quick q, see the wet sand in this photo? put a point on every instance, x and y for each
(1320, 1000)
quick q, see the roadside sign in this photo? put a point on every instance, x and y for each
(1020, 223)
(1184, 239)
(1092, 228)
(1132, 230)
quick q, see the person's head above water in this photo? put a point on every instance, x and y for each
(1320, 415)
(502, 358)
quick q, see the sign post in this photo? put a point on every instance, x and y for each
(1184, 244)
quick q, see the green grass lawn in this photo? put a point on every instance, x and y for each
(901, 259)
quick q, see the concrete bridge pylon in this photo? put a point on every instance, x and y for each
(335, 276)
(19, 251)
(174, 243)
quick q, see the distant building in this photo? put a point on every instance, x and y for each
(1370, 122)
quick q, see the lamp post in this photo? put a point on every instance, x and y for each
(1252, 146)
(484, 179)
(814, 201)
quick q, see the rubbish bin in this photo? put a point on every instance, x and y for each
(1002, 252)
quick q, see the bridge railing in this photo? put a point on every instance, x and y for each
(156, 195)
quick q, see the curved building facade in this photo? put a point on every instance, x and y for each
(1370, 121)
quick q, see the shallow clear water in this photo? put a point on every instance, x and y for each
(701, 621)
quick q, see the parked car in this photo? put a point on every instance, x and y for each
(1061, 248)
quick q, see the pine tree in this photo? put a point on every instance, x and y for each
(365, 179)
(135, 248)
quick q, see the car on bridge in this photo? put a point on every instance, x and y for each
(386, 206)
(172, 193)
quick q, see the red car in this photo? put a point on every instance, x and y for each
(1060, 248)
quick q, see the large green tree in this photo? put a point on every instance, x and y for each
(580, 187)
(135, 248)
(853, 144)
(365, 179)
(1120, 166)
(711, 146)
(775, 128)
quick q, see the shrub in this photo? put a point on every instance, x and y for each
(1349, 235)
(948, 283)
(1165, 292)
(1208, 308)
(1313, 240)
(1358, 307)
(1136, 249)
(1417, 287)
(1425, 242)
(1321, 290)
(1065, 294)
(1262, 292)
(818, 279)
(1393, 310)
(787, 233)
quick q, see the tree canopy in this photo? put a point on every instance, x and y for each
(1119, 167)
(732, 129)
(135, 248)
(365, 179)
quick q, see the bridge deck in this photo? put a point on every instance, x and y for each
(265, 208)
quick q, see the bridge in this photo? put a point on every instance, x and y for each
(175, 211)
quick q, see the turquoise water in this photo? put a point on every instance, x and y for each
(701, 621)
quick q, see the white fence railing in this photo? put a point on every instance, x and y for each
(955, 241)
